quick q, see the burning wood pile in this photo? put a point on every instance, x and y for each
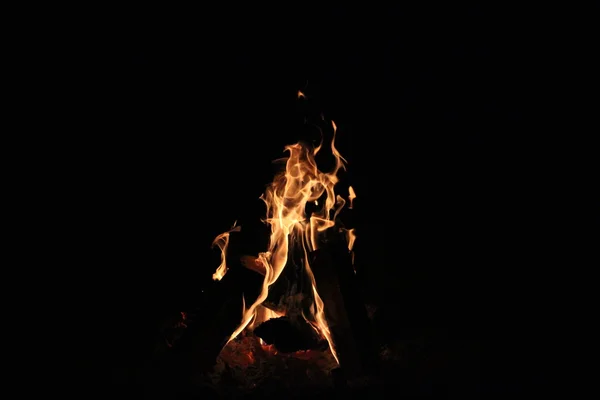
(307, 319)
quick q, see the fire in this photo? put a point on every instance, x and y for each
(351, 196)
(222, 241)
(263, 314)
(286, 200)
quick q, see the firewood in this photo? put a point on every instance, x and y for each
(253, 264)
(290, 334)
(344, 310)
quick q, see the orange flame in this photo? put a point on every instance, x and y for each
(222, 241)
(350, 237)
(351, 196)
(286, 199)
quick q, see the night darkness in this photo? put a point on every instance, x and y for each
(180, 116)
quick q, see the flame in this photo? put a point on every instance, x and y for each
(286, 199)
(222, 241)
(351, 196)
(263, 314)
(350, 237)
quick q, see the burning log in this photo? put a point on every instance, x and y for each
(290, 334)
(346, 314)
(253, 264)
(291, 293)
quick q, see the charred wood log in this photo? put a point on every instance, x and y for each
(290, 334)
(253, 264)
(291, 293)
(345, 311)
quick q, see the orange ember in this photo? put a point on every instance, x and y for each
(286, 200)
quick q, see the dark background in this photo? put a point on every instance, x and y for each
(177, 116)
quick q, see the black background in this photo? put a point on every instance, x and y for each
(175, 117)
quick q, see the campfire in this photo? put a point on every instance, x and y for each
(296, 234)
(307, 312)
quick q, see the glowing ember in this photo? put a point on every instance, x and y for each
(286, 199)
